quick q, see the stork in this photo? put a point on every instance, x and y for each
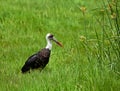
(41, 58)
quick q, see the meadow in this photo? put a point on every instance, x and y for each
(89, 31)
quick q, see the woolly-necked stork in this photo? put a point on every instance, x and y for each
(41, 58)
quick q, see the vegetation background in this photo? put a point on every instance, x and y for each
(89, 31)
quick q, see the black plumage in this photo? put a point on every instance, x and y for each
(38, 60)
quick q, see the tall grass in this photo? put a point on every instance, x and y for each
(103, 52)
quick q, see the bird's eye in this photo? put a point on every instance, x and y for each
(51, 36)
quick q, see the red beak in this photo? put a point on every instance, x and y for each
(57, 42)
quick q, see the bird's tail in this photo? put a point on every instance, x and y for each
(25, 68)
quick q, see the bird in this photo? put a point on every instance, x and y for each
(41, 58)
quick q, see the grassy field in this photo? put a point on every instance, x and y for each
(88, 30)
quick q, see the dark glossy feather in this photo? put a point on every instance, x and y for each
(38, 60)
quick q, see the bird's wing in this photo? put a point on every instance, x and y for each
(31, 59)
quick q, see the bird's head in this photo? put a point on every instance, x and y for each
(50, 37)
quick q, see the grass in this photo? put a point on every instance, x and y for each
(88, 30)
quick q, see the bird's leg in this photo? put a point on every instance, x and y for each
(29, 71)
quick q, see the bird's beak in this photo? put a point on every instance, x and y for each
(57, 42)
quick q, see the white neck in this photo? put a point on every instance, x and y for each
(49, 44)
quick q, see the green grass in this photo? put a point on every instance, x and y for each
(89, 60)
